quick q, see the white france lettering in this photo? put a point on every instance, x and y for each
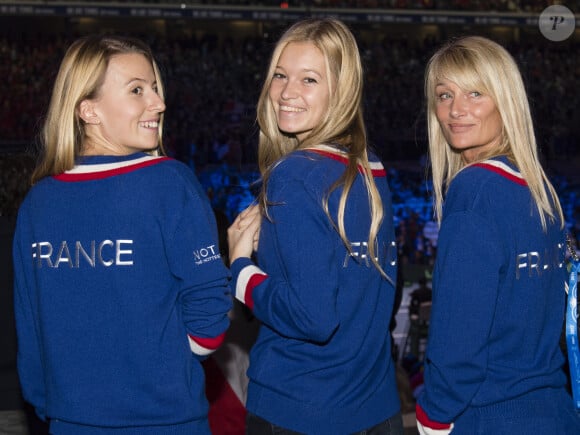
(359, 252)
(534, 262)
(392, 253)
(101, 246)
(521, 264)
(537, 264)
(43, 250)
(561, 255)
(106, 253)
(350, 254)
(530, 261)
(63, 255)
(121, 251)
(80, 250)
(364, 253)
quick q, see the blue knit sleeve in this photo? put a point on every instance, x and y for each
(300, 253)
(29, 359)
(193, 251)
(465, 292)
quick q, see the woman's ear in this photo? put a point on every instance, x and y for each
(87, 112)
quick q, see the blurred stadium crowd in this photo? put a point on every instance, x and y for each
(454, 5)
(212, 86)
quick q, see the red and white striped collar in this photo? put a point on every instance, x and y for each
(86, 172)
(377, 168)
(503, 169)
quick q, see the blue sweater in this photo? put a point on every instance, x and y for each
(322, 362)
(498, 296)
(119, 292)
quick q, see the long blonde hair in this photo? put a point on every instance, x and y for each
(80, 76)
(342, 125)
(477, 63)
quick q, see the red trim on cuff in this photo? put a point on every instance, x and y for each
(253, 282)
(427, 422)
(211, 343)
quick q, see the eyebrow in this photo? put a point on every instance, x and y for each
(140, 80)
(312, 71)
(304, 70)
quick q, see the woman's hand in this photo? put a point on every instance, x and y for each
(244, 233)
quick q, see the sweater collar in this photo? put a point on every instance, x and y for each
(502, 166)
(99, 167)
(334, 153)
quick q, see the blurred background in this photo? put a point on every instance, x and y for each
(213, 55)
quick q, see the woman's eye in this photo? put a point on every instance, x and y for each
(279, 76)
(444, 96)
(475, 94)
(138, 90)
(310, 80)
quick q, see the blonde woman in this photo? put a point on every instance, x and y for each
(493, 362)
(322, 285)
(119, 286)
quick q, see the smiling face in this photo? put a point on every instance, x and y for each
(299, 91)
(124, 117)
(469, 120)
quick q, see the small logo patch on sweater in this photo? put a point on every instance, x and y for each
(206, 254)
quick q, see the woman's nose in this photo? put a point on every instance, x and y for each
(157, 104)
(289, 91)
(458, 106)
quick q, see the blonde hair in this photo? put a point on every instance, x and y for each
(477, 63)
(80, 76)
(342, 125)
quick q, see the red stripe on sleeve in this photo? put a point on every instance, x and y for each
(253, 282)
(427, 422)
(211, 343)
